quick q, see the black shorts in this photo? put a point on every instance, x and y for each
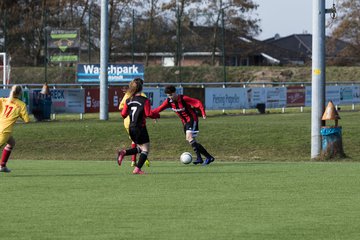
(192, 126)
(139, 135)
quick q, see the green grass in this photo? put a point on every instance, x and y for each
(99, 200)
(262, 185)
(231, 137)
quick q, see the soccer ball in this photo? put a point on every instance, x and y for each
(186, 158)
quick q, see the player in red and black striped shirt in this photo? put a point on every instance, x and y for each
(184, 106)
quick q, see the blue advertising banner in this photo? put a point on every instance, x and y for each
(65, 100)
(116, 72)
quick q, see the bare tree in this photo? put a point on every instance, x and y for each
(159, 24)
(235, 15)
(347, 28)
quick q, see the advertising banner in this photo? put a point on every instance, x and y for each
(308, 96)
(346, 94)
(276, 97)
(339, 95)
(92, 99)
(255, 96)
(153, 94)
(332, 93)
(226, 98)
(116, 72)
(356, 94)
(67, 100)
(295, 96)
(63, 45)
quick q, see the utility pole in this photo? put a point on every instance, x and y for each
(318, 74)
(104, 57)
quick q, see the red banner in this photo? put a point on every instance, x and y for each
(92, 99)
(295, 96)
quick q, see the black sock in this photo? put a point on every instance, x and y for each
(142, 159)
(195, 146)
(203, 151)
(132, 151)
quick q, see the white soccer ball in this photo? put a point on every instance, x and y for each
(186, 158)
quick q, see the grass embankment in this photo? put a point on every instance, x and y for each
(23, 75)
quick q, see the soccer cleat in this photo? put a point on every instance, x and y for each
(133, 163)
(138, 171)
(198, 161)
(120, 156)
(5, 169)
(208, 161)
(147, 163)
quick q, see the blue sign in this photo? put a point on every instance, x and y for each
(116, 72)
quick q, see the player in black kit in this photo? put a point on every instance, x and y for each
(138, 108)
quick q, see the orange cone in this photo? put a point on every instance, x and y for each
(331, 113)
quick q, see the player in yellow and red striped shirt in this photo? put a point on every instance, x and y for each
(11, 109)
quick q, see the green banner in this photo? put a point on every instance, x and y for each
(63, 45)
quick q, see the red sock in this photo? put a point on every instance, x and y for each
(133, 157)
(5, 156)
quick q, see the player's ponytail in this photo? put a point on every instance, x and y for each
(15, 92)
(134, 87)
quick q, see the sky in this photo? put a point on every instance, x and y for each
(285, 17)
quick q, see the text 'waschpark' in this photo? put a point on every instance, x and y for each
(112, 69)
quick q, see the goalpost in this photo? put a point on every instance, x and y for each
(4, 69)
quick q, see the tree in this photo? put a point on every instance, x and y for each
(27, 21)
(347, 28)
(159, 24)
(235, 15)
(118, 14)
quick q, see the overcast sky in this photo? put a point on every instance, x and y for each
(284, 17)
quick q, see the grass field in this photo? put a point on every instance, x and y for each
(98, 200)
(262, 185)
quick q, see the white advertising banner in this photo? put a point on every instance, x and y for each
(226, 98)
(67, 100)
(255, 96)
(339, 95)
(275, 97)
